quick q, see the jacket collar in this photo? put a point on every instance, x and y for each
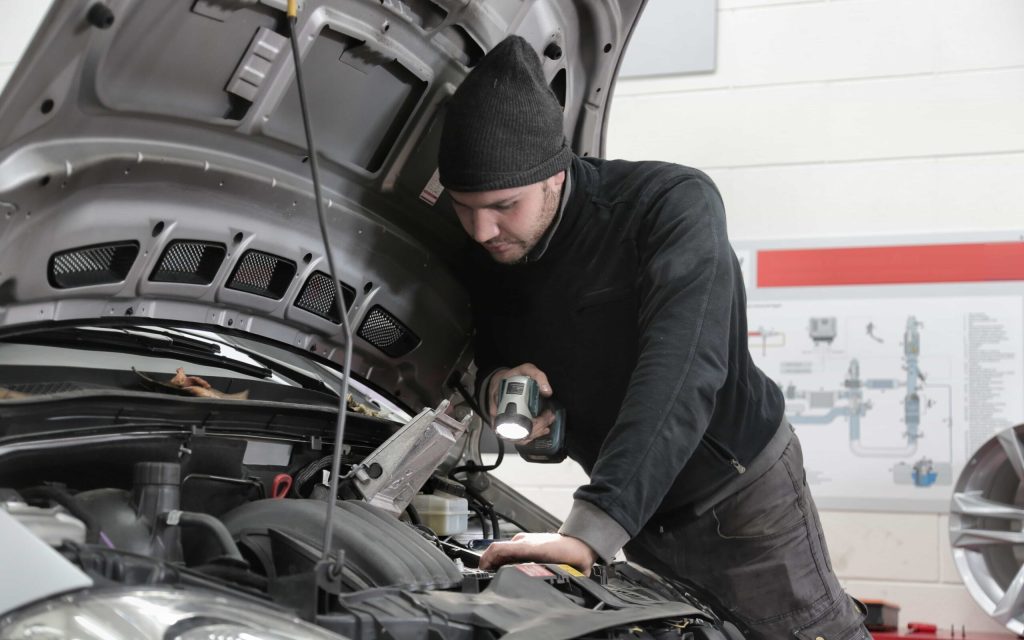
(575, 193)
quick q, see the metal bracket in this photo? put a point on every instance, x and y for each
(391, 476)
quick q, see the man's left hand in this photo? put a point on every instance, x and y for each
(540, 547)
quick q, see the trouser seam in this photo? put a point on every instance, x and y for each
(802, 491)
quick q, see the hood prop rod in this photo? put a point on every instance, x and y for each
(339, 299)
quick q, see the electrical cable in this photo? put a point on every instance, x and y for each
(495, 523)
(473, 466)
(339, 298)
(511, 521)
(479, 513)
(310, 470)
(473, 404)
(488, 508)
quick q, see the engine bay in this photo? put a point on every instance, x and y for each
(244, 516)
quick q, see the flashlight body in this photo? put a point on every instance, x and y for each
(519, 403)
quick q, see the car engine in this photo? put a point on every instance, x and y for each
(219, 514)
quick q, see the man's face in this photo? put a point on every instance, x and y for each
(509, 222)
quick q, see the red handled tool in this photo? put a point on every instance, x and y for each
(281, 485)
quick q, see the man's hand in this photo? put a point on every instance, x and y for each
(542, 423)
(540, 547)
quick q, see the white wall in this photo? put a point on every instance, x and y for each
(849, 118)
(19, 22)
(827, 118)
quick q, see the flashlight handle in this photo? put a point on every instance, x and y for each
(550, 448)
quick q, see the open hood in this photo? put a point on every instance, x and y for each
(153, 166)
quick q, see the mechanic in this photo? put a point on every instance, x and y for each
(613, 285)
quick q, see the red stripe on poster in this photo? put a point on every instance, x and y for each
(913, 264)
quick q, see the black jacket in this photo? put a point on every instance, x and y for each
(637, 313)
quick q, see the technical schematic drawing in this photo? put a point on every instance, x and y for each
(767, 338)
(925, 472)
(822, 330)
(852, 402)
(870, 329)
(888, 394)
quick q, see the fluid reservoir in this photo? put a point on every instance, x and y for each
(444, 513)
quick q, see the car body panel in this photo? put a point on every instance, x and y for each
(139, 133)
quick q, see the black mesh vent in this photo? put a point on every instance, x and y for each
(97, 264)
(189, 262)
(262, 274)
(44, 388)
(387, 333)
(317, 296)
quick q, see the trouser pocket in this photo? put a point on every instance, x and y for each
(768, 566)
(842, 621)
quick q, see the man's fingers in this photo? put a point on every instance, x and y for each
(501, 553)
(541, 426)
(494, 556)
(538, 432)
(539, 547)
(530, 369)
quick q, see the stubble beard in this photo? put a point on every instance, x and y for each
(548, 208)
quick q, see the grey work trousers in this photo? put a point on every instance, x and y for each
(759, 555)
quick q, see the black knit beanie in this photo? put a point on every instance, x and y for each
(503, 127)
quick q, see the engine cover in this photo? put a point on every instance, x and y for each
(380, 550)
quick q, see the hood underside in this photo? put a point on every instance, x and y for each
(153, 165)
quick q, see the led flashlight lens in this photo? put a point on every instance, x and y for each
(512, 431)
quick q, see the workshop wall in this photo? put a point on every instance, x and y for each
(20, 20)
(849, 118)
(825, 118)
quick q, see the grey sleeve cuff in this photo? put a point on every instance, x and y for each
(596, 528)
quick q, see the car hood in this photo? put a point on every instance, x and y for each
(153, 167)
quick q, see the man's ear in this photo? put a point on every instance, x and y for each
(556, 181)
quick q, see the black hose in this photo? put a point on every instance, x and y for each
(211, 524)
(488, 508)
(483, 521)
(495, 524)
(414, 515)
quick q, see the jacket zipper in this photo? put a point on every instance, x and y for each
(724, 454)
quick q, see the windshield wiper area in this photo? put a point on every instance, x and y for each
(150, 342)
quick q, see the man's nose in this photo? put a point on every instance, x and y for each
(484, 227)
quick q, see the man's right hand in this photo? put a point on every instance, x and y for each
(542, 422)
